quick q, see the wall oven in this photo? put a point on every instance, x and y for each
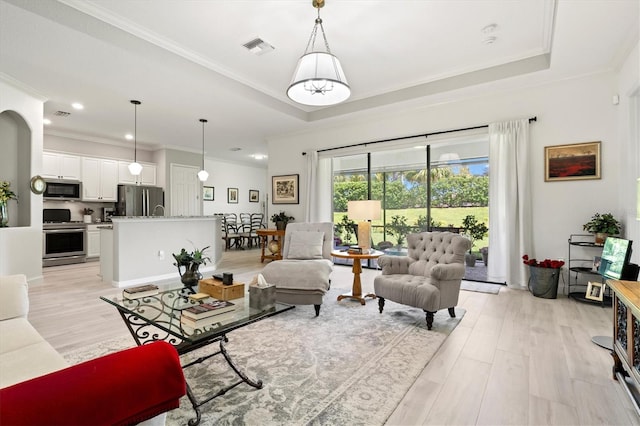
(58, 189)
(63, 241)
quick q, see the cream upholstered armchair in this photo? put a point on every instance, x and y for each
(302, 276)
(428, 277)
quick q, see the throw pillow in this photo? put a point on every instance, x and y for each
(305, 245)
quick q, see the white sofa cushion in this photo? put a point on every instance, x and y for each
(24, 354)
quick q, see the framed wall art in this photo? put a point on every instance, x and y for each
(576, 161)
(285, 189)
(208, 193)
(232, 195)
(254, 196)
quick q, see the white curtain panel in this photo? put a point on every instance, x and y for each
(509, 202)
(312, 183)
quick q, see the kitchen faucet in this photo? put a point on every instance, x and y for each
(153, 213)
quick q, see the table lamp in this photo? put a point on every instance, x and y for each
(364, 210)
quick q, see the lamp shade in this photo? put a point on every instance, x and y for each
(135, 168)
(364, 209)
(319, 80)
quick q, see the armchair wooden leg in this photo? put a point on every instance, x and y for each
(380, 303)
(317, 308)
(452, 312)
(429, 319)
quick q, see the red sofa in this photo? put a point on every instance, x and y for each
(123, 388)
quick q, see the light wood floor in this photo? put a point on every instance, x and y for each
(514, 359)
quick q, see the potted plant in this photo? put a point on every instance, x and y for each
(281, 219)
(602, 225)
(191, 262)
(6, 194)
(87, 212)
(475, 231)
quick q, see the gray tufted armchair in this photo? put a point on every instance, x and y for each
(428, 277)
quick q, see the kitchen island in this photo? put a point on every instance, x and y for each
(141, 247)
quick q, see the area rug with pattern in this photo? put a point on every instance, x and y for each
(351, 365)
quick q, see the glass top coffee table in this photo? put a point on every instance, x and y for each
(157, 317)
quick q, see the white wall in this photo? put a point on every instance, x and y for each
(21, 247)
(223, 175)
(628, 90)
(569, 111)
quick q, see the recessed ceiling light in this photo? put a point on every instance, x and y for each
(46, 121)
(235, 149)
(77, 105)
(128, 137)
(259, 156)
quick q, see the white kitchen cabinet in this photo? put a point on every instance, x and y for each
(93, 241)
(61, 166)
(99, 179)
(147, 177)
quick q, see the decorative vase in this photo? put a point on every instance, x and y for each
(601, 237)
(191, 275)
(274, 246)
(281, 225)
(543, 282)
(4, 214)
(470, 260)
(485, 255)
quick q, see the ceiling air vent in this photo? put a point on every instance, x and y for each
(62, 113)
(257, 46)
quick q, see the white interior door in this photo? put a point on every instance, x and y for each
(185, 191)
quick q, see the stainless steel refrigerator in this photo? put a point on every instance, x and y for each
(135, 200)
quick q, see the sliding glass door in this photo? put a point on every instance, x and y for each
(443, 185)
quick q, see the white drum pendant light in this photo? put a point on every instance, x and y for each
(135, 168)
(202, 174)
(318, 79)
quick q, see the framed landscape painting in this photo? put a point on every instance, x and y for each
(284, 189)
(207, 193)
(254, 196)
(576, 161)
(232, 195)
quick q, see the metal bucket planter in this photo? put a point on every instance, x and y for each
(543, 282)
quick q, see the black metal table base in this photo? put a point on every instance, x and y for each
(244, 379)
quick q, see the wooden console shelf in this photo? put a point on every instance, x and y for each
(626, 336)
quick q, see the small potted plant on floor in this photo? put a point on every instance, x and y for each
(475, 231)
(602, 225)
(281, 219)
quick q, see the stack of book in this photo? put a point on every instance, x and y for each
(354, 250)
(198, 316)
(140, 291)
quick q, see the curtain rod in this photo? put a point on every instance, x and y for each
(426, 135)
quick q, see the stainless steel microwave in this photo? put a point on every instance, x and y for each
(58, 189)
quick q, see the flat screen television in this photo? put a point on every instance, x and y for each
(615, 256)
